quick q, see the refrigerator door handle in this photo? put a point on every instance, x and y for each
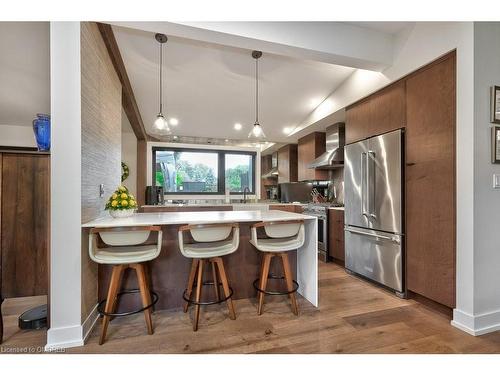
(370, 183)
(381, 236)
(364, 180)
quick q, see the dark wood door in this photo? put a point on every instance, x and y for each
(380, 113)
(25, 224)
(336, 247)
(430, 182)
(310, 147)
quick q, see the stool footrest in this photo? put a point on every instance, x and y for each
(275, 292)
(126, 313)
(206, 303)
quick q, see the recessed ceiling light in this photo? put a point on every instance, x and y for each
(287, 130)
(175, 137)
(174, 122)
(237, 126)
(226, 140)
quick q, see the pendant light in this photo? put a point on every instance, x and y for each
(257, 133)
(160, 125)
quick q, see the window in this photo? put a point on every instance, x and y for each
(199, 171)
(239, 172)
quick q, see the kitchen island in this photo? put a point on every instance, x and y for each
(169, 272)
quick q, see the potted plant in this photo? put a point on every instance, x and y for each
(121, 203)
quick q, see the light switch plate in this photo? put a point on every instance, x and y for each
(101, 190)
(496, 181)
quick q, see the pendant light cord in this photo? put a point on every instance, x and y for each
(257, 91)
(161, 81)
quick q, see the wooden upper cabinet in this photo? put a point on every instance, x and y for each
(287, 163)
(379, 113)
(309, 148)
(430, 181)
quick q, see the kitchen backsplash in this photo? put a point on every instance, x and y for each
(337, 176)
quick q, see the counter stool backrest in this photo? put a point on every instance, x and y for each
(207, 233)
(277, 230)
(122, 237)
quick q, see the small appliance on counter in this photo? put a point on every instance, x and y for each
(154, 195)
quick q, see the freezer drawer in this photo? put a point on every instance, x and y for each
(375, 255)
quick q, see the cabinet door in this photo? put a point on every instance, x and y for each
(430, 182)
(380, 113)
(310, 147)
(287, 164)
(336, 234)
(25, 224)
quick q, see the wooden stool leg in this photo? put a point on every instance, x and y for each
(198, 294)
(192, 275)
(225, 287)
(266, 262)
(289, 282)
(145, 295)
(216, 282)
(114, 286)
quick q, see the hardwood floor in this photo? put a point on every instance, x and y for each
(355, 317)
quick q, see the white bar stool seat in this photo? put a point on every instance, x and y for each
(212, 242)
(282, 236)
(125, 249)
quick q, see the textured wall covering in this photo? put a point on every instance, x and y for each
(101, 142)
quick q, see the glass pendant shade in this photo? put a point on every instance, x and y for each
(257, 133)
(160, 125)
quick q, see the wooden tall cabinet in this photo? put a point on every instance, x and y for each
(430, 181)
(309, 148)
(287, 163)
(24, 223)
(424, 104)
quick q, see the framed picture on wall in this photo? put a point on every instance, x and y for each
(495, 104)
(495, 144)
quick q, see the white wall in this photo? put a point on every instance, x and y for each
(65, 187)
(17, 136)
(129, 157)
(149, 163)
(486, 262)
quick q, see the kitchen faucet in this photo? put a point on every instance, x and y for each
(245, 191)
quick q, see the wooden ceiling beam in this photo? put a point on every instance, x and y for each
(128, 99)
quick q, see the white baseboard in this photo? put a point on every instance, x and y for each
(64, 337)
(72, 336)
(476, 325)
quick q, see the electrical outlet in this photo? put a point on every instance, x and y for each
(496, 181)
(101, 190)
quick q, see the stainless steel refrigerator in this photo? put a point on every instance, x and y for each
(373, 199)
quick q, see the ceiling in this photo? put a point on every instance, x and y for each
(385, 27)
(209, 88)
(24, 71)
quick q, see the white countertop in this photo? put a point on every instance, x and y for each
(337, 208)
(204, 217)
(220, 204)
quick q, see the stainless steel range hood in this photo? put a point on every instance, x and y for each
(273, 173)
(334, 155)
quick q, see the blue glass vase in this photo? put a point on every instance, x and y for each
(41, 128)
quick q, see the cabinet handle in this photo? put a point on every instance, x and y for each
(410, 164)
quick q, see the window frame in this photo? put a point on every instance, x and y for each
(221, 170)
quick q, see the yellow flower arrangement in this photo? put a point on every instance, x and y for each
(121, 199)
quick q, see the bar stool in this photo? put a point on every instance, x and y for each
(282, 236)
(212, 242)
(126, 249)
